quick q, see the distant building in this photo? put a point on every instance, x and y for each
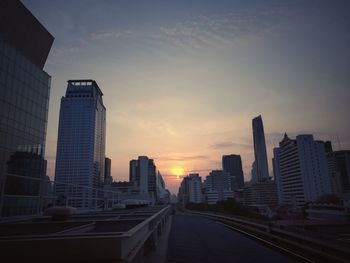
(191, 189)
(119, 192)
(195, 188)
(80, 157)
(217, 186)
(320, 211)
(254, 174)
(24, 103)
(301, 170)
(262, 170)
(163, 194)
(339, 169)
(233, 164)
(262, 194)
(107, 174)
(183, 195)
(143, 174)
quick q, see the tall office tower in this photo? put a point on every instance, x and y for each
(301, 170)
(233, 165)
(143, 174)
(262, 169)
(80, 157)
(24, 102)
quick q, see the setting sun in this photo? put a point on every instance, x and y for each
(178, 171)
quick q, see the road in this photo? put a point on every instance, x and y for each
(195, 239)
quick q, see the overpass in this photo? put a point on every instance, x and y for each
(139, 235)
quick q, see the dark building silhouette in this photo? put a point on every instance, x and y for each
(262, 170)
(24, 102)
(30, 170)
(22, 31)
(233, 164)
(339, 169)
(108, 177)
(143, 175)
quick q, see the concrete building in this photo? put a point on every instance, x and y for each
(195, 188)
(339, 169)
(80, 157)
(24, 103)
(183, 194)
(143, 174)
(217, 186)
(262, 169)
(301, 170)
(163, 194)
(233, 165)
(191, 189)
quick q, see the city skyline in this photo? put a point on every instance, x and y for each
(183, 88)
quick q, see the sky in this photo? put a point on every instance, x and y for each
(182, 80)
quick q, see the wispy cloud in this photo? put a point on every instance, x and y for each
(182, 158)
(110, 34)
(64, 51)
(226, 144)
(218, 30)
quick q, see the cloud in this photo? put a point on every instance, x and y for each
(226, 144)
(182, 158)
(218, 30)
(64, 51)
(110, 34)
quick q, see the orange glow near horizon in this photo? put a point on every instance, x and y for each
(177, 171)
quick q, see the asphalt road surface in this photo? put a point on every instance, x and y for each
(195, 239)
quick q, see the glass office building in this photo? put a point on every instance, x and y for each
(24, 102)
(80, 158)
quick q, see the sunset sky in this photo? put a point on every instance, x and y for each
(183, 79)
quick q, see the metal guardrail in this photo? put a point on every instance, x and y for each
(85, 242)
(307, 248)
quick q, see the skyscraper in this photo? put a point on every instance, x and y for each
(233, 164)
(81, 140)
(24, 102)
(262, 169)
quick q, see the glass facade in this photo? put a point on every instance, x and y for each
(80, 157)
(24, 102)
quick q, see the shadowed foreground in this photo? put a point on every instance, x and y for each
(195, 239)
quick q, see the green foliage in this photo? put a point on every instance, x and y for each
(226, 207)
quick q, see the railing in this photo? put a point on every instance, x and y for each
(315, 249)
